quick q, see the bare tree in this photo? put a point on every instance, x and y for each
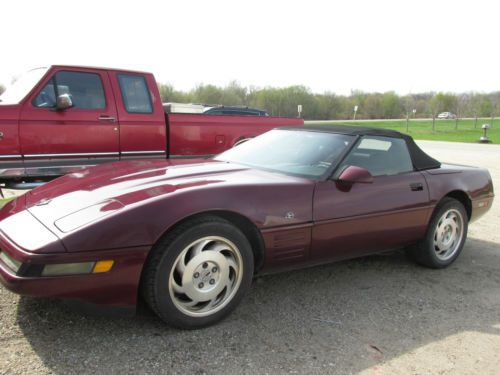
(473, 106)
(409, 103)
(459, 105)
(434, 106)
(494, 105)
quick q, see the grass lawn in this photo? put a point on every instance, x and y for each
(422, 129)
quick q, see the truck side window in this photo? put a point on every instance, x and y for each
(85, 89)
(47, 97)
(135, 93)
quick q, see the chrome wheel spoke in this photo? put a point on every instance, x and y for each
(213, 302)
(188, 304)
(199, 247)
(180, 266)
(232, 263)
(219, 247)
(177, 288)
(229, 285)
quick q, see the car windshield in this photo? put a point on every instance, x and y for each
(297, 152)
(18, 89)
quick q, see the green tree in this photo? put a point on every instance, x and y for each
(434, 106)
(268, 99)
(391, 105)
(208, 94)
(234, 94)
(169, 94)
(292, 96)
(373, 107)
(357, 98)
(166, 92)
(2, 89)
(329, 106)
(447, 101)
(485, 107)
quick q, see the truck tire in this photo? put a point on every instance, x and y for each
(198, 273)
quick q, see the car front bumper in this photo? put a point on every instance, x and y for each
(116, 288)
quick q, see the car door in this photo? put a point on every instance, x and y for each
(360, 218)
(54, 142)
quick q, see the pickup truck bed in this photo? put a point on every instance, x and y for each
(204, 135)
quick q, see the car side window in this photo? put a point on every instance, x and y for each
(382, 156)
(135, 93)
(85, 90)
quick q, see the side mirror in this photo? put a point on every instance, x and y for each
(353, 174)
(64, 102)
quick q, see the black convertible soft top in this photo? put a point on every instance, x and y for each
(420, 159)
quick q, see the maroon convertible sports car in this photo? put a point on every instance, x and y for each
(189, 235)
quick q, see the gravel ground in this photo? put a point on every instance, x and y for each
(375, 315)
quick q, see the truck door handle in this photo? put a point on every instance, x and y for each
(416, 186)
(106, 118)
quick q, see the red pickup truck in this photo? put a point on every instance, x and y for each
(59, 119)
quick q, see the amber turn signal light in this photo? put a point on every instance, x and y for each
(102, 266)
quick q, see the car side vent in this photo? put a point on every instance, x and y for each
(291, 245)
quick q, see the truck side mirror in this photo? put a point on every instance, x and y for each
(64, 102)
(353, 174)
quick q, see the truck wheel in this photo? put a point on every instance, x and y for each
(445, 235)
(198, 273)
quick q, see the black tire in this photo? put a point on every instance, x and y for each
(161, 276)
(428, 252)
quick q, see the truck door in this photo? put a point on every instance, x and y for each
(143, 129)
(55, 142)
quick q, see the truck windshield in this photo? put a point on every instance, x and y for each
(304, 153)
(22, 86)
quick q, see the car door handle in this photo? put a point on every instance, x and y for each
(416, 186)
(106, 118)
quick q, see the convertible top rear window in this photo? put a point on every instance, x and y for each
(374, 144)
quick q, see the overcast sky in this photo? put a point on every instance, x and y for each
(382, 45)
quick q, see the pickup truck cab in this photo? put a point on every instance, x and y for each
(59, 119)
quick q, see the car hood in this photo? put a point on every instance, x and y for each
(81, 198)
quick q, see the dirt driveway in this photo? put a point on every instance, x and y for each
(375, 315)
